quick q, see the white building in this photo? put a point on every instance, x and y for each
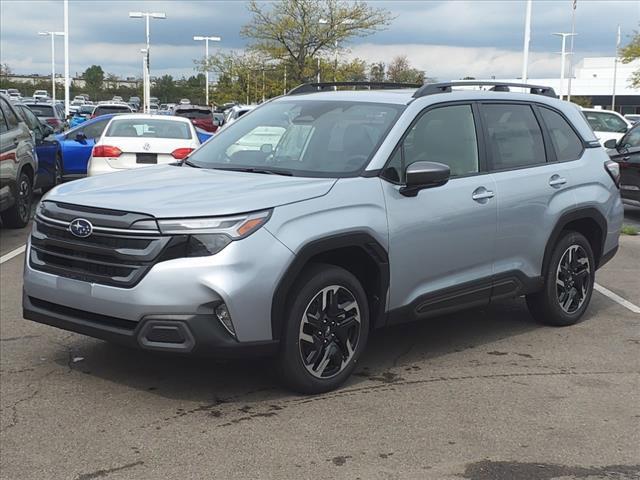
(593, 78)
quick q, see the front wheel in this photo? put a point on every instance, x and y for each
(18, 215)
(326, 331)
(568, 283)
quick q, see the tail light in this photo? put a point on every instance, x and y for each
(181, 153)
(613, 169)
(106, 151)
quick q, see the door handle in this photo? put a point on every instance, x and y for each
(482, 193)
(626, 159)
(557, 181)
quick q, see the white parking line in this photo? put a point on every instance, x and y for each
(12, 253)
(616, 298)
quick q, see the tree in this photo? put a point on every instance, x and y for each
(631, 52)
(5, 70)
(165, 89)
(93, 79)
(400, 70)
(377, 72)
(299, 30)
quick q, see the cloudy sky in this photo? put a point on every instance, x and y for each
(447, 39)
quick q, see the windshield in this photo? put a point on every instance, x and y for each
(606, 122)
(147, 128)
(42, 110)
(193, 113)
(305, 138)
(86, 109)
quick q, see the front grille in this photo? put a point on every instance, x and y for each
(114, 254)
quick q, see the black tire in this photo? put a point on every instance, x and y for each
(57, 175)
(341, 285)
(567, 288)
(19, 214)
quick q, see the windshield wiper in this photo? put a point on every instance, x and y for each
(191, 164)
(257, 170)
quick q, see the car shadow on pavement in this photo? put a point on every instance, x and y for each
(410, 346)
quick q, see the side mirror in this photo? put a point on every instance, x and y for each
(81, 137)
(611, 143)
(47, 130)
(421, 175)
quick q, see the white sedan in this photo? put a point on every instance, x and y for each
(133, 141)
(607, 124)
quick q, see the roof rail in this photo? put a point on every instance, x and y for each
(496, 86)
(321, 86)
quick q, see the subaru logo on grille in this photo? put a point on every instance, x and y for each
(81, 228)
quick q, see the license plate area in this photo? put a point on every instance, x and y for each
(147, 158)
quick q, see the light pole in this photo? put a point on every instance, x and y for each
(563, 55)
(53, 61)
(206, 58)
(324, 21)
(527, 38)
(573, 31)
(67, 80)
(615, 71)
(147, 16)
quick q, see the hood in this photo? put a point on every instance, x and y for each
(168, 191)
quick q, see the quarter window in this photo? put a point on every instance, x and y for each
(445, 135)
(565, 141)
(515, 138)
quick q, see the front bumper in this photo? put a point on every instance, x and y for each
(182, 292)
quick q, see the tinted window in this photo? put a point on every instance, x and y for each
(606, 122)
(111, 109)
(146, 128)
(565, 141)
(95, 129)
(42, 110)
(3, 124)
(632, 139)
(444, 135)
(193, 113)
(515, 138)
(9, 116)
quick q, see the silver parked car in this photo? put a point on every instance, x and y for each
(18, 167)
(324, 214)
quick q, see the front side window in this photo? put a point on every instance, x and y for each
(515, 137)
(565, 141)
(631, 139)
(9, 116)
(444, 135)
(301, 137)
(3, 123)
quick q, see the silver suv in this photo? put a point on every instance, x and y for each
(324, 214)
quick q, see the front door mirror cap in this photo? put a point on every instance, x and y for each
(611, 143)
(420, 175)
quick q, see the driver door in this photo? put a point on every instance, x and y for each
(441, 242)
(76, 151)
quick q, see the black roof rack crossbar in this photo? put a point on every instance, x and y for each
(496, 86)
(319, 87)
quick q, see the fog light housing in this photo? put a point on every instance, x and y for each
(222, 312)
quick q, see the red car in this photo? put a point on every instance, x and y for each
(201, 117)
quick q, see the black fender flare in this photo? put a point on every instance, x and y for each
(358, 239)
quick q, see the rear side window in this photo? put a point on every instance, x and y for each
(515, 137)
(9, 116)
(565, 141)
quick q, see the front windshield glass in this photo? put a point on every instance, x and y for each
(303, 138)
(606, 122)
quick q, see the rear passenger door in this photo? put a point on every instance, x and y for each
(441, 242)
(532, 168)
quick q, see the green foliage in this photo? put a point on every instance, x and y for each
(400, 70)
(93, 78)
(631, 52)
(298, 31)
(629, 230)
(582, 101)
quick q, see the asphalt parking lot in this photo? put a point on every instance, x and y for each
(483, 395)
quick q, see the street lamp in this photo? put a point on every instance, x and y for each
(53, 61)
(563, 55)
(324, 21)
(147, 77)
(206, 40)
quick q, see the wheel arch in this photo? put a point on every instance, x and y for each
(357, 252)
(589, 222)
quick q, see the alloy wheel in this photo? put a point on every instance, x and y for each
(329, 331)
(573, 278)
(24, 198)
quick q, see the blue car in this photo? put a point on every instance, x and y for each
(47, 149)
(81, 115)
(76, 145)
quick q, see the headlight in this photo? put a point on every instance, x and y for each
(208, 236)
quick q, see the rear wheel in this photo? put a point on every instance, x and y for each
(18, 215)
(568, 283)
(326, 331)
